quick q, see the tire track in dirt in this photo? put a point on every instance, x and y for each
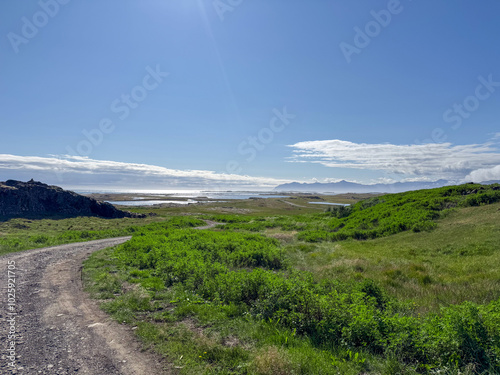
(59, 329)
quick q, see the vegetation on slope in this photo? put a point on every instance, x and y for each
(398, 284)
(374, 217)
(259, 310)
(456, 262)
(395, 213)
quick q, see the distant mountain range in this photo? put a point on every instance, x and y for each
(343, 187)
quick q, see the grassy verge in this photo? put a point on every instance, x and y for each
(23, 234)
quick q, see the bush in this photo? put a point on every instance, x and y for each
(395, 213)
(245, 275)
(459, 337)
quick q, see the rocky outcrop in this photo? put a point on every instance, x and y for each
(35, 199)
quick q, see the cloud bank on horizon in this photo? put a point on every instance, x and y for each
(426, 162)
(83, 172)
(432, 161)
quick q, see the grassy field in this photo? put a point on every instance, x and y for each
(295, 204)
(458, 261)
(254, 296)
(23, 234)
(411, 287)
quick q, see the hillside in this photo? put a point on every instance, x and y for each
(455, 262)
(378, 216)
(412, 289)
(404, 284)
(34, 199)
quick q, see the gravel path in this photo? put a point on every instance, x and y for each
(58, 329)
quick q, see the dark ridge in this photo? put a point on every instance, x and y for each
(34, 200)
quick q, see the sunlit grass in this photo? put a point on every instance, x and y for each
(24, 234)
(230, 300)
(268, 319)
(456, 262)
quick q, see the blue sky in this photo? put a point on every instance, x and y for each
(201, 93)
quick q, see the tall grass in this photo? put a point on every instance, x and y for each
(244, 303)
(242, 276)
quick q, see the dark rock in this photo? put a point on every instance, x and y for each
(35, 199)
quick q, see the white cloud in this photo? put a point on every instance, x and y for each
(418, 179)
(429, 161)
(484, 174)
(75, 170)
(382, 180)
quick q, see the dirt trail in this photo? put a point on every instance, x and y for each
(293, 204)
(59, 329)
(210, 224)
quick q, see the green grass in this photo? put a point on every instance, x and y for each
(456, 262)
(375, 217)
(254, 207)
(203, 338)
(395, 213)
(252, 298)
(413, 289)
(24, 234)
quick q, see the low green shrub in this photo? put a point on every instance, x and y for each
(395, 213)
(245, 274)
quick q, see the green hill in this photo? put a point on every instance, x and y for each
(394, 213)
(400, 284)
(457, 261)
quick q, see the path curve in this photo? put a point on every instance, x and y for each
(59, 329)
(209, 225)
